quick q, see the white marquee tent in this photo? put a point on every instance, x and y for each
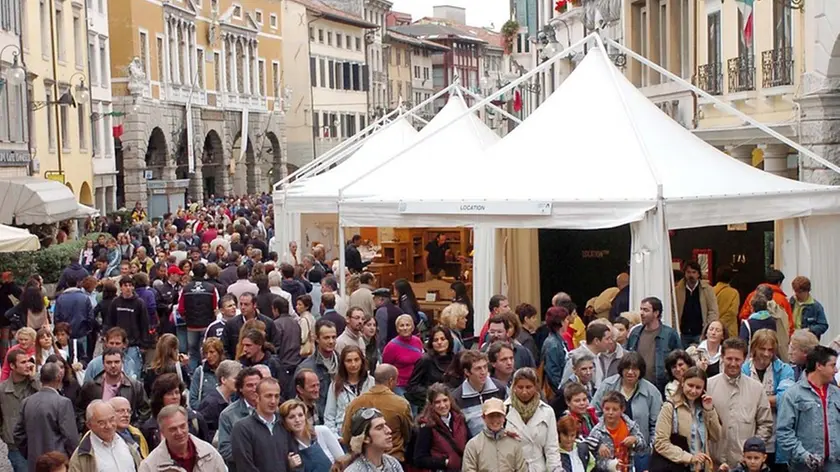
(596, 154)
(17, 239)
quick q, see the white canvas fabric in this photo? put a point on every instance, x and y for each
(16, 239)
(33, 200)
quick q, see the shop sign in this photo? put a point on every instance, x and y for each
(477, 208)
(10, 157)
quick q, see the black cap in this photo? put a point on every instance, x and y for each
(382, 292)
(755, 444)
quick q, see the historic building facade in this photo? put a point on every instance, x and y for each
(101, 109)
(14, 129)
(201, 84)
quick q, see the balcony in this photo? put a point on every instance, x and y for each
(741, 72)
(240, 101)
(777, 67)
(181, 94)
(710, 78)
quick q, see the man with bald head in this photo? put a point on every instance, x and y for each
(621, 302)
(131, 435)
(394, 409)
(101, 447)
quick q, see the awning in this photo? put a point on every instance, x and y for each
(33, 200)
(16, 239)
(85, 211)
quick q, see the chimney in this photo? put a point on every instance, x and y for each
(452, 13)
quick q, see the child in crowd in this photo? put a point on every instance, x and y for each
(616, 435)
(755, 456)
(621, 327)
(575, 456)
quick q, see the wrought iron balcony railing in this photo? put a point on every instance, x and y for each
(741, 72)
(710, 78)
(777, 67)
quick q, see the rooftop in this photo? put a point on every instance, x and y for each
(334, 14)
(415, 41)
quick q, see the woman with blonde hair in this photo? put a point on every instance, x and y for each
(454, 318)
(167, 359)
(317, 446)
(25, 338)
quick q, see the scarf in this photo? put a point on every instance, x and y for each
(587, 421)
(526, 410)
(331, 364)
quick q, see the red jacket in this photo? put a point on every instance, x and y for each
(435, 443)
(779, 297)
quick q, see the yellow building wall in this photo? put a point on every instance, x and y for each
(767, 105)
(42, 50)
(399, 74)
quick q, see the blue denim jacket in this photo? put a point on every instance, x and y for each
(813, 317)
(668, 340)
(800, 426)
(554, 358)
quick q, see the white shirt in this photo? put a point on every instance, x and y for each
(112, 457)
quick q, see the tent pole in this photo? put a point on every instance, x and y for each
(342, 258)
(545, 65)
(720, 103)
(493, 107)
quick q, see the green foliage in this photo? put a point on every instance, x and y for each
(49, 262)
(125, 216)
(509, 31)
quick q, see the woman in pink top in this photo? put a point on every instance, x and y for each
(403, 352)
(25, 338)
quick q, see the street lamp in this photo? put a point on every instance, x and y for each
(15, 74)
(84, 93)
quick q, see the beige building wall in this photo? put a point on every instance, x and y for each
(55, 52)
(398, 60)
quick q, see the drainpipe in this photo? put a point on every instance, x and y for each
(54, 55)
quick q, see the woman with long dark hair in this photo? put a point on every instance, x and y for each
(454, 375)
(70, 387)
(443, 433)
(351, 380)
(169, 390)
(407, 300)
(431, 367)
(369, 332)
(167, 359)
(31, 311)
(461, 295)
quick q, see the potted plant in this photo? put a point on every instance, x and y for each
(509, 31)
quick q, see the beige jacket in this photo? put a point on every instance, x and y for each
(744, 412)
(363, 298)
(489, 452)
(208, 459)
(708, 302)
(685, 417)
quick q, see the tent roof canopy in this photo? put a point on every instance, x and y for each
(33, 200)
(17, 239)
(596, 154)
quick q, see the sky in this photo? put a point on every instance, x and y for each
(479, 12)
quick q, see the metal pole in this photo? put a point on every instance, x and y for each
(494, 107)
(342, 258)
(725, 106)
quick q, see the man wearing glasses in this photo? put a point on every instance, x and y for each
(20, 384)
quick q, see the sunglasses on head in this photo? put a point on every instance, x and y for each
(369, 413)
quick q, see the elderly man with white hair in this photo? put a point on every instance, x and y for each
(101, 448)
(130, 434)
(275, 280)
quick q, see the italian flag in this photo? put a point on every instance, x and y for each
(746, 8)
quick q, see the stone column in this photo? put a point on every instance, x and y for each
(775, 159)
(222, 88)
(135, 140)
(742, 153)
(196, 191)
(167, 62)
(820, 125)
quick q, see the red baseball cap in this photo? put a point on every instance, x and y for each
(174, 270)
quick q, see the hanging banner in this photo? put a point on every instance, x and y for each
(476, 208)
(190, 150)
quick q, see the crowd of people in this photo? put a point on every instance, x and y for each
(185, 344)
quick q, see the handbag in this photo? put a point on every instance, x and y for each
(659, 463)
(80, 374)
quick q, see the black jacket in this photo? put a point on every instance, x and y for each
(427, 371)
(265, 300)
(621, 303)
(130, 314)
(228, 275)
(220, 287)
(131, 390)
(211, 408)
(283, 373)
(195, 422)
(288, 340)
(354, 259)
(294, 287)
(198, 303)
(230, 336)
(256, 449)
(74, 271)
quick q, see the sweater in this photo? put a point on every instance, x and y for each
(403, 353)
(256, 449)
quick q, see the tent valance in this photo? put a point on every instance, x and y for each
(16, 239)
(32, 200)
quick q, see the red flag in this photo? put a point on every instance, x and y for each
(117, 131)
(517, 101)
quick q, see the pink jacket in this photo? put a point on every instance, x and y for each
(403, 353)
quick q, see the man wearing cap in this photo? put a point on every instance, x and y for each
(371, 439)
(129, 313)
(386, 316)
(493, 449)
(393, 408)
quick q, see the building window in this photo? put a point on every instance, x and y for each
(644, 51)
(407, 58)
(358, 43)
(397, 55)
(78, 39)
(63, 122)
(272, 21)
(323, 73)
(275, 75)
(311, 33)
(329, 38)
(714, 47)
(50, 116)
(663, 36)
(313, 75)
(60, 40)
(92, 56)
(339, 43)
(200, 67)
(331, 67)
(237, 11)
(144, 51)
(261, 77)
(320, 36)
(11, 106)
(782, 36)
(45, 29)
(258, 16)
(95, 142)
(416, 72)
(685, 39)
(83, 119)
(217, 71)
(159, 50)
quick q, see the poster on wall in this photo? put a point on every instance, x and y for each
(322, 233)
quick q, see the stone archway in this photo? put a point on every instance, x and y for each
(212, 165)
(244, 169)
(820, 98)
(86, 195)
(182, 158)
(273, 156)
(156, 153)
